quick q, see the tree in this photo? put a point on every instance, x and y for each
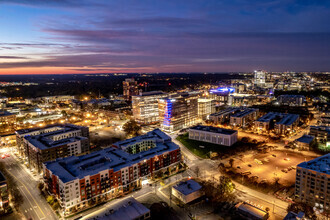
(231, 162)
(226, 186)
(276, 180)
(131, 128)
(267, 209)
(40, 186)
(298, 207)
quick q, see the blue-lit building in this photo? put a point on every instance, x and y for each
(178, 111)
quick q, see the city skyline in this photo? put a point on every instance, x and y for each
(129, 37)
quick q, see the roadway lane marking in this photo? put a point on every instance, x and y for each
(29, 202)
(29, 193)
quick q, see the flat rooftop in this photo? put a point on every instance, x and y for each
(225, 111)
(244, 112)
(213, 129)
(49, 127)
(288, 119)
(307, 139)
(187, 187)
(43, 142)
(127, 209)
(257, 212)
(269, 116)
(152, 93)
(77, 167)
(320, 164)
(321, 128)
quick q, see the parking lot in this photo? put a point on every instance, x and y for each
(265, 167)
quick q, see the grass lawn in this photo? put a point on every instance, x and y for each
(194, 147)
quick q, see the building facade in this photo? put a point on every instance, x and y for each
(7, 121)
(130, 88)
(321, 134)
(313, 183)
(287, 125)
(187, 191)
(213, 135)
(244, 118)
(110, 172)
(223, 116)
(291, 100)
(177, 112)
(260, 78)
(45, 144)
(205, 107)
(145, 107)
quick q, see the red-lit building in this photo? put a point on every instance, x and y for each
(105, 174)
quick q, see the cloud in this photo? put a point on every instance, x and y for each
(12, 57)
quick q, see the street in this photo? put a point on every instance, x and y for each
(34, 206)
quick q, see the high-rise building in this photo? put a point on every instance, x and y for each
(205, 107)
(110, 172)
(130, 88)
(38, 145)
(313, 183)
(178, 111)
(259, 77)
(145, 107)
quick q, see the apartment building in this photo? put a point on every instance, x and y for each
(38, 145)
(223, 116)
(178, 111)
(244, 118)
(287, 124)
(291, 100)
(110, 172)
(145, 107)
(213, 135)
(313, 183)
(321, 133)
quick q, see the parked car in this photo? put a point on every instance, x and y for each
(274, 155)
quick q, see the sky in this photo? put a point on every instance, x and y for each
(146, 36)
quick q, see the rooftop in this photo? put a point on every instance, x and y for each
(269, 116)
(128, 209)
(77, 167)
(187, 187)
(152, 93)
(257, 212)
(213, 129)
(48, 128)
(321, 128)
(244, 112)
(225, 111)
(320, 164)
(307, 139)
(288, 119)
